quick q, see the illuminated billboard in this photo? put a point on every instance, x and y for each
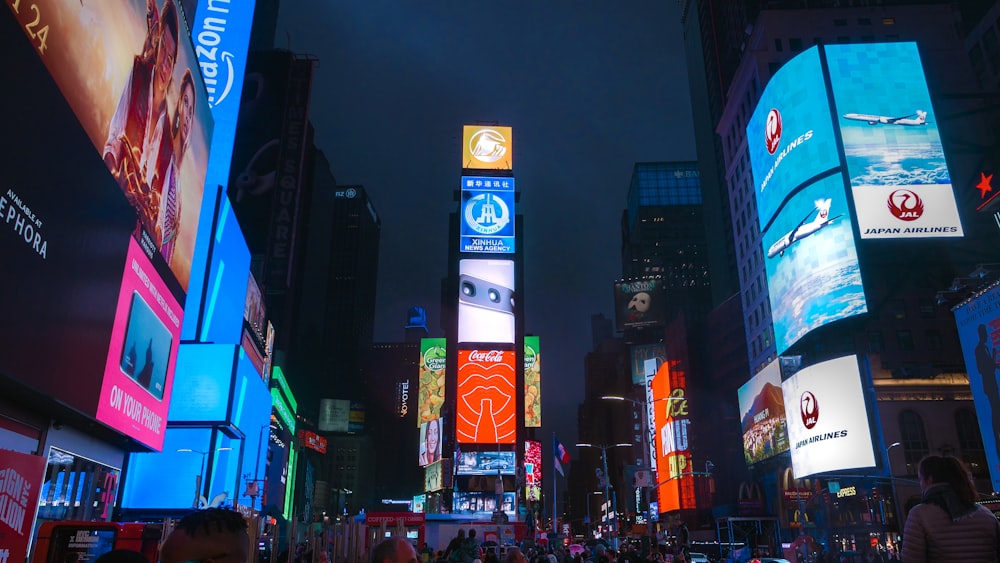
(790, 135)
(437, 476)
(483, 504)
(487, 215)
(221, 34)
(430, 395)
(532, 382)
(487, 147)
(639, 304)
(139, 371)
(827, 418)
(137, 92)
(334, 415)
(486, 301)
(673, 450)
(533, 470)
(816, 280)
(895, 161)
(204, 377)
(639, 353)
(486, 405)
(485, 463)
(430, 442)
(978, 323)
(762, 415)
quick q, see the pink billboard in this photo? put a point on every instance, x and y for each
(138, 375)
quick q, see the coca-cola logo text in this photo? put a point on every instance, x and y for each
(494, 356)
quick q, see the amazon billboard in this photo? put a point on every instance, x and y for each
(810, 254)
(486, 410)
(487, 147)
(827, 417)
(895, 161)
(762, 415)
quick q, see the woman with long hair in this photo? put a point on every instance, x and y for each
(948, 524)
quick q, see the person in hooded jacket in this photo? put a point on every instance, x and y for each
(948, 525)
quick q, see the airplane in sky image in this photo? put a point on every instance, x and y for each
(803, 229)
(913, 120)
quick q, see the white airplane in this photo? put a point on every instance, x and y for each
(914, 119)
(803, 229)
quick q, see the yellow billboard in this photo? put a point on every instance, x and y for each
(488, 147)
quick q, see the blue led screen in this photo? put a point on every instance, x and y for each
(790, 135)
(203, 380)
(487, 215)
(221, 35)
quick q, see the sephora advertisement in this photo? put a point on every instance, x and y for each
(64, 235)
(827, 418)
(978, 324)
(790, 135)
(486, 409)
(639, 304)
(899, 177)
(129, 72)
(813, 274)
(486, 301)
(487, 215)
(762, 415)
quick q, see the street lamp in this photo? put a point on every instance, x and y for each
(892, 479)
(613, 520)
(203, 472)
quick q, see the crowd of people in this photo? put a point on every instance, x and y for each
(947, 525)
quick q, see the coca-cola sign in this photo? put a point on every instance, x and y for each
(491, 356)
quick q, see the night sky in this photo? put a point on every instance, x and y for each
(589, 87)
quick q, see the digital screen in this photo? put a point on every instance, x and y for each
(486, 412)
(895, 160)
(487, 215)
(790, 134)
(978, 323)
(482, 503)
(221, 35)
(437, 476)
(334, 415)
(65, 230)
(533, 470)
(486, 463)
(487, 147)
(762, 415)
(642, 352)
(486, 301)
(152, 129)
(433, 362)
(138, 376)
(813, 274)
(430, 442)
(148, 486)
(225, 303)
(639, 304)
(204, 378)
(532, 382)
(22, 477)
(827, 418)
(673, 449)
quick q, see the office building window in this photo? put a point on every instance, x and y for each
(911, 429)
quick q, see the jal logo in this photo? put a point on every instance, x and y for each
(905, 205)
(772, 131)
(487, 145)
(809, 409)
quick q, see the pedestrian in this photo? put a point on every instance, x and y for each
(470, 548)
(215, 534)
(454, 550)
(948, 525)
(394, 550)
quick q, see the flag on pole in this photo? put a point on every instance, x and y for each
(561, 455)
